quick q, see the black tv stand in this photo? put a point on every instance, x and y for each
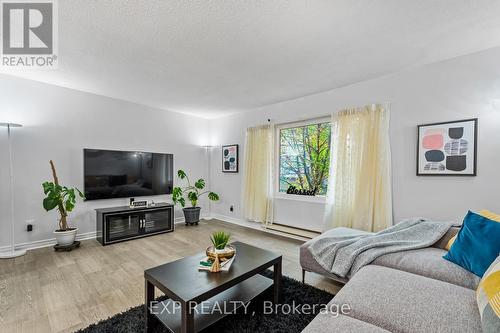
(118, 224)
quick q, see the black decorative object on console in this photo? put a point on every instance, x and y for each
(293, 190)
(139, 204)
(119, 224)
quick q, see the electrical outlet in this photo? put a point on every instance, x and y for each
(29, 225)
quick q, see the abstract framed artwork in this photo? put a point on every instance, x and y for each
(447, 149)
(230, 158)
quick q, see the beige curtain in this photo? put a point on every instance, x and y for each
(359, 190)
(258, 174)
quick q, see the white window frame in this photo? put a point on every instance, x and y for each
(281, 195)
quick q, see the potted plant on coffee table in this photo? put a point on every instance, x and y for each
(220, 251)
(220, 241)
(193, 193)
(64, 199)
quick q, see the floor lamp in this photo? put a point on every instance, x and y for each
(11, 253)
(208, 151)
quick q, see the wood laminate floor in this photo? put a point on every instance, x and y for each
(48, 291)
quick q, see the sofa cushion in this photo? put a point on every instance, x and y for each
(307, 260)
(429, 262)
(477, 245)
(490, 215)
(451, 233)
(488, 298)
(404, 302)
(486, 213)
(342, 324)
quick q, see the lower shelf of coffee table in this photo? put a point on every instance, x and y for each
(232, 298)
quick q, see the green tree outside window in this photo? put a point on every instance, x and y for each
(305, 157)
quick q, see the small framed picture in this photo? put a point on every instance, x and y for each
(230, 158)
(447, 149)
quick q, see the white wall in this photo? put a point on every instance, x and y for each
(59, 123)
(459, 88)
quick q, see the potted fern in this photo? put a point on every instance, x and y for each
(193, 193)
(64, 199)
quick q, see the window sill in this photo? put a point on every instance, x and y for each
(302, 198)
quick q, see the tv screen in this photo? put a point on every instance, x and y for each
(120, 174)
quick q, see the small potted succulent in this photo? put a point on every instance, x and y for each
(221, 251)
(193, 192)
(64, 199)
(220, 239)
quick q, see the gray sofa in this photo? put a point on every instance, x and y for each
(410, 291)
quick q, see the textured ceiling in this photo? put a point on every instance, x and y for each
(212, 58)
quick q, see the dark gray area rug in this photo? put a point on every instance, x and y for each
(255, 320)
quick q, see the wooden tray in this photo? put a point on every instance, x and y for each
(231, 251)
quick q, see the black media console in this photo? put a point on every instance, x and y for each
(119, 224)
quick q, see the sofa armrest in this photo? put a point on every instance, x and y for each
(440, 244)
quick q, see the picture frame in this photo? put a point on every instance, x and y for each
(447, 148)
(230, 158)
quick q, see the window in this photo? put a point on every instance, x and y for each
(304, 156)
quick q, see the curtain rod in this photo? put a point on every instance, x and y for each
(327, 115)
(300, 120)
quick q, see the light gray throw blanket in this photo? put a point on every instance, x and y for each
(344, 256)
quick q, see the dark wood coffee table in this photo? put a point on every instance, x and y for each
(196, 291)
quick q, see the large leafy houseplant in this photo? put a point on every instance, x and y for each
(192, 192)
(64, 199)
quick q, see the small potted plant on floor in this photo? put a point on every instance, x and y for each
(64, 199)
(193, 192)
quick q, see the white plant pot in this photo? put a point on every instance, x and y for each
(224, 250)
(65, 238)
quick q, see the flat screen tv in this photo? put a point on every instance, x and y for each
(119, 174)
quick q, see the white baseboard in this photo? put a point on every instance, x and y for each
(230, 219)
(47, 242)
(255, 226)
(179, 220)
(80, 236)
(52, 241)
